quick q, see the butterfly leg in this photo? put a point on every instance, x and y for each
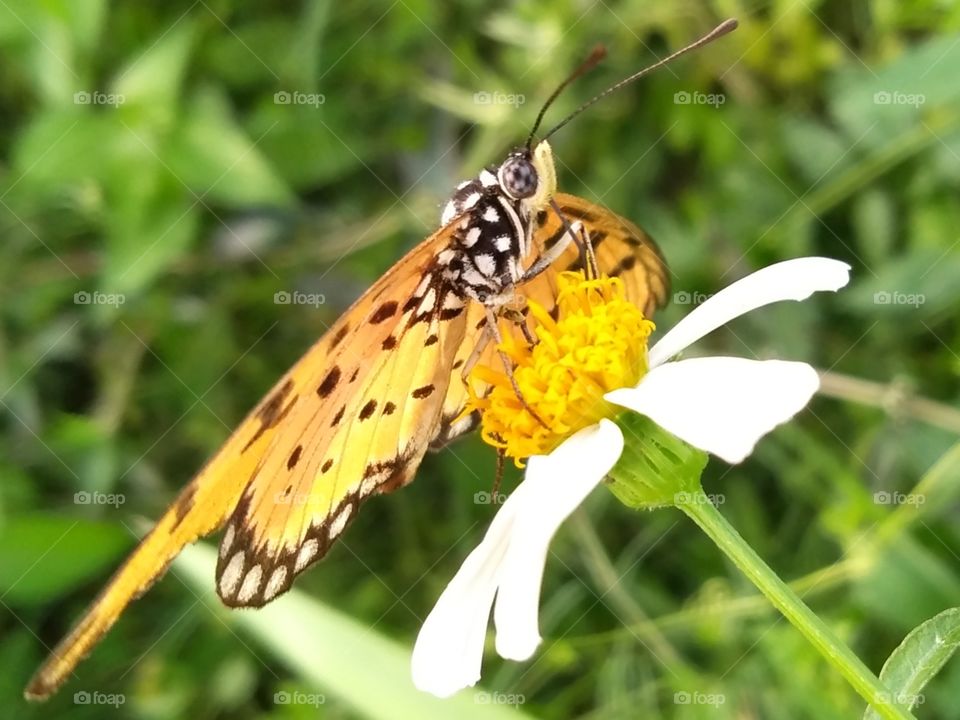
(519, 318)
(587, 256)
(575, 233)
(507, 364)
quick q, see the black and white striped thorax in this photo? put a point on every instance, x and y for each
(492, 237)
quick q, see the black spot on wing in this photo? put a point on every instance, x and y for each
(367, 410)
(422, 392)
(624, 265)
(340, 335)
(183, 505)
(329, 383)
(578, 213)
(272, 411)
(384, 312)
(294, 457)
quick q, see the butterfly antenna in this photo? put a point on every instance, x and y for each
(593, 59)
(719, 31)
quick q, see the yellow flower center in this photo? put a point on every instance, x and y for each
(597, 343)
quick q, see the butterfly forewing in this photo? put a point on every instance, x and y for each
(305, 400)
(362, 428)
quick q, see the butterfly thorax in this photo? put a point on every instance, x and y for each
(490, 242)
(493, 214)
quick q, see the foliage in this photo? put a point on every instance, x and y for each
(157, 193)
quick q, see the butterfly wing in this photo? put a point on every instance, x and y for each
(623, 250)
(306, 419)
(380, 398)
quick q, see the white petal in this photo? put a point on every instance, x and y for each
(554, 487)
(789, 280)
(723, 405)
(449, 649)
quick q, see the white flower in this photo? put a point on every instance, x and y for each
(722, 405)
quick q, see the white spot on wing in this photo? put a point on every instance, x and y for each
(487, 178)
(452, 302)
(231, 575)
(370, 482)
(445, 256)
(461, 425)
(486, 264)
(251, 583)
(227, 540)
(491, 215)
(275, 582)
(472, 277)
(429, 300)
(449, 213)
(473, 235)
(340, 522)
(308, 551)
(422, 287)
(502, 243)
(470, 200)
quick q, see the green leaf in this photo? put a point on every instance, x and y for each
(219, 161)
(918, 658)
(876, 106)
(153, 76)
(45, 556)
(342, 656)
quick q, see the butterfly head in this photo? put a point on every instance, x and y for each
(529, 176)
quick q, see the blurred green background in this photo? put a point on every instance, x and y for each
(156, 193)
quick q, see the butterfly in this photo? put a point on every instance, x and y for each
(356, 414)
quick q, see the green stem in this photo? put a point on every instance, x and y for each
(705, 514)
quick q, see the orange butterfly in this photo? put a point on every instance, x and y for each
(356, 414)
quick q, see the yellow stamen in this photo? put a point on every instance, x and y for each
(597, 343)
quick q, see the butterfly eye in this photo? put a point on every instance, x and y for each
(518, 178)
